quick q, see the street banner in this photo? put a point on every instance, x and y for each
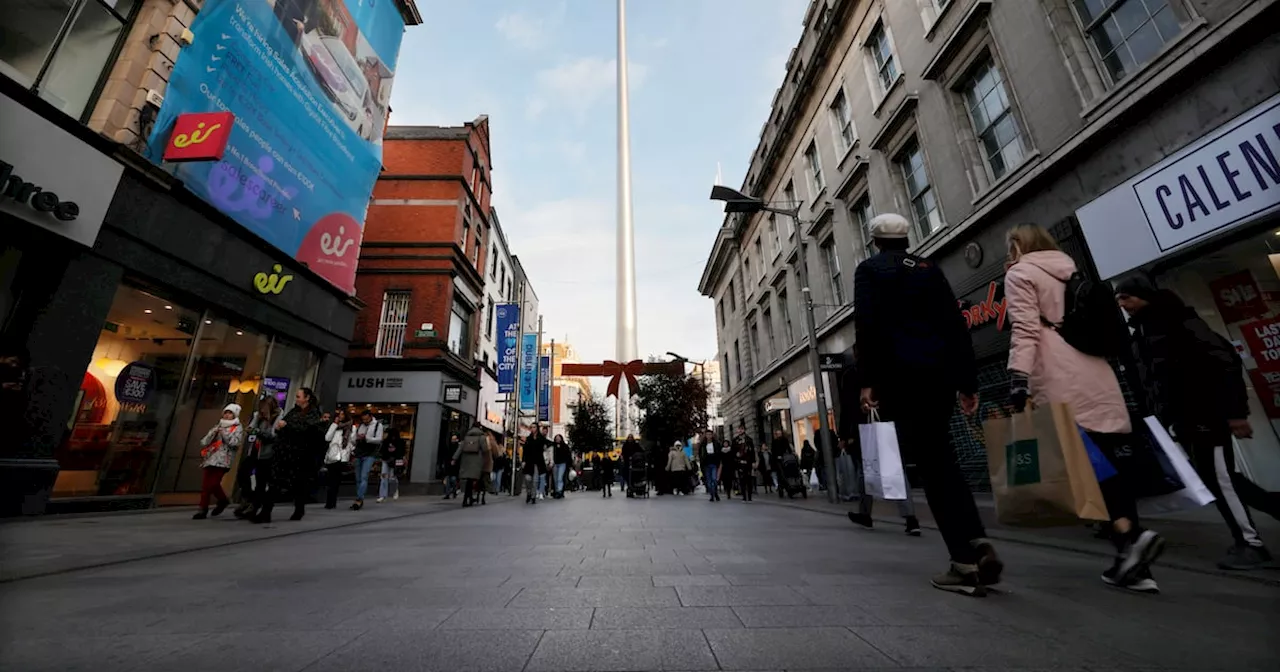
(529, 372)
(508, 347)
(307, 83)
(544, 389)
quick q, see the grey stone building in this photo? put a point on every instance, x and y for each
(969, 116)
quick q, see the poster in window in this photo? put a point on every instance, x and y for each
(1267, 385)
(1263, 340)
(1238, 297)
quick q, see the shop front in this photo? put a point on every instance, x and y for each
(802, 397)
(1205, 223)
(429, 408)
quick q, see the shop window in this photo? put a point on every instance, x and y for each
(289, 367)
(993, 119)
(125, 407)
(459, 329)
(397, 420)
(1127, 33)
(393, 324)
(924, 203)
(60, 48)
(453, 426)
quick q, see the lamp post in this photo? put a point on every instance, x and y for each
(738, 202)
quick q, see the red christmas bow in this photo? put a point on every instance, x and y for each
(616, 371)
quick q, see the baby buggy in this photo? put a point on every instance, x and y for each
(638, 476)
(793, 482)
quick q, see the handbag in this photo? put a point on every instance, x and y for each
(881, 460)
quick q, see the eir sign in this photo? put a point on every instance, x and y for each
(1263, 338)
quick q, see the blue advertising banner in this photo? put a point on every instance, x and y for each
(309, 82)
(544, 389)
(508, 348)
(529, 372)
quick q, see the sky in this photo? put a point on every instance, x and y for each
(702, 76)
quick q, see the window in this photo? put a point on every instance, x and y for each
(924, 204)
(767, 315)
(459, 329)
(992, 115)
(823, 16)
(789, 197)
(832, 260)
(784, 314)
(63, 67)
(493, 261)
(475, 250)
(724, 374)
(862, 215)
(466, 232)
(746, 270)
(814, 164)
(733, 299)
(502, 277)
(940, 4)
(777, 235)
(882, 55)
(842, 121)
(1127, 33)
(753, 333)
(737, 359)
(720, 310)
(488, 320)
(760, 255)
(393, 324)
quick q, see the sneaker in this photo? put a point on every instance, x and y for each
(863, 519)
(990, 567)
(217, 510)
(1143, 550)
(200, 515)
(913, 526)
(1244, 557)
(381, 500)
(397, 495)
(961, 579)
(1143, 582)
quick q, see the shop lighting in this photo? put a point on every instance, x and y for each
(147, 311)
(208, 321)
(168, 307)
(239, 333)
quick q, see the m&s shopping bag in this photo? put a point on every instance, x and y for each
(881, 461)
(1041, 474)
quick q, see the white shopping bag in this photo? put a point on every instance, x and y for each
(1193, 494)
(881, 461)
(813, 479)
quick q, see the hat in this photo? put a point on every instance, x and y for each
(889, 225)
(234, 408)
(1138, 287)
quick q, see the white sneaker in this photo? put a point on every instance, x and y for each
(396, 496)
(382, 499)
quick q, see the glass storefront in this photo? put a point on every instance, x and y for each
(452, 423)
(403, 418)
(160, 375)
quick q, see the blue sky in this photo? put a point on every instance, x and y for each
(703, 73)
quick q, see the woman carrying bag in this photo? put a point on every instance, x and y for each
(220, 446)
(1045, 367)
(260, 440)
(299, 438)
(337, 455)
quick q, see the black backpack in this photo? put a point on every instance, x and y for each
(1091, 321)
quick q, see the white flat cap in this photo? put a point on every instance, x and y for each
(889, 225)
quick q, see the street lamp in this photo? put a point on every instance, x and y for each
(738, 202)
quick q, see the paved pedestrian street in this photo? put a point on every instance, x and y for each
(669, 583)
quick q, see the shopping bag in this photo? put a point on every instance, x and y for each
(1146, 466)
(1041, 475)
(1102, 469)
(846, 477)
(813, 479)
(881, 460)
(1193, 495)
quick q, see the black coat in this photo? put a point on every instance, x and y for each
(779, 447)
(299, 443)
(1189, 373)
(807, 456)
(561, 454)
(909, 326)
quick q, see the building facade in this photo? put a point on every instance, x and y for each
(134, 309)
(970, 116)
(566, 391)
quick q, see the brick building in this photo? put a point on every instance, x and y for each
(414, 354)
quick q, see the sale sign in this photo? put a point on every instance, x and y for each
(1267, 385)
(1238, 297)
(1263, 338)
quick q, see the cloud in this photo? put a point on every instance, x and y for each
(579, 85)
(526, 31)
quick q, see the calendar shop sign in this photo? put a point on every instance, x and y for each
(1238, 297)
(1263, 338)
(134, 386)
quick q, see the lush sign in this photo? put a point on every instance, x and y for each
(508, 348)
(307, 83)
(529, 372)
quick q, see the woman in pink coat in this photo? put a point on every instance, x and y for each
(1045, 367)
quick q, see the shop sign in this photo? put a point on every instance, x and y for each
(830, 362)
(529, 372)
(453, 393)
(374, 383)
(51, 178)
(424, 333)
(271, 284)
(1227, 178)
(544, 389)
(775, 405)
(988, 310)
(509, 327)
(803, 397)
(1238, 297)
(277, 387)
(134, 386)
(199, 137)
(1267, 385)
(1263, 339)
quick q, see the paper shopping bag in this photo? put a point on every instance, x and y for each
(881, 461)
(1041, 475)
(1193, 494)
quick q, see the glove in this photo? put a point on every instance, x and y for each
(1019, 390)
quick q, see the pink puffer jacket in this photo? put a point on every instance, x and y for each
(1059, 373)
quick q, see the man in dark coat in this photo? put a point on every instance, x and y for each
(1194, 381)
(630, 448)
(915, 355)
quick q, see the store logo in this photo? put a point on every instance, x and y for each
(12, 186)
(199, 137)
(271, 284)
(808, 395)
(374, 383)
(988, 310)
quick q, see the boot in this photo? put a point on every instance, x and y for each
(298, 512)
(201, 514)
(222, 506)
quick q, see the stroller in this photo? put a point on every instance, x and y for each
(792, 479)
(638, 476)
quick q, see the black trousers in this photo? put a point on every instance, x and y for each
(1214, 459)
(922, 417)
(333, 481)
(265, 488)
(299, 481)
(747, 484)
(244, 478)
(728, 473)
(1118, 491)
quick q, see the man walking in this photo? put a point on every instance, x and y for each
(712, 453)
(780, 446)
(916, 355)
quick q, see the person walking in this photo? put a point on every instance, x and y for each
(712, 458)
(764, 464)
(470, 461)
(781, 445)
(391, 455)
(1193, 379)
(729, 460)
(678, 469)
(1041, 362)
(808, 457)
(745, 459)
(220, 444)
(368, 443)
(340, 436)
(913, 364)
(486, 469)
(255, 467)
(606, 474)
(450, 470)
(561, 456)
(535, 465)
(630, 448)
(866, 503)
(299, 436)
(501, 462)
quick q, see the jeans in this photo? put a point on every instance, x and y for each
(450, 486)
(712, 470)
(363, 466)
(560, 472)
(542, 484)
(385, 478)
(497, 481)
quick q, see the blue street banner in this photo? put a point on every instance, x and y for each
(508, 348)
(308, 83)
(529, 372)
(544, 389)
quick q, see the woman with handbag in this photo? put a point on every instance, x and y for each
(220, 446)
(337, 455)
(300, 437)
